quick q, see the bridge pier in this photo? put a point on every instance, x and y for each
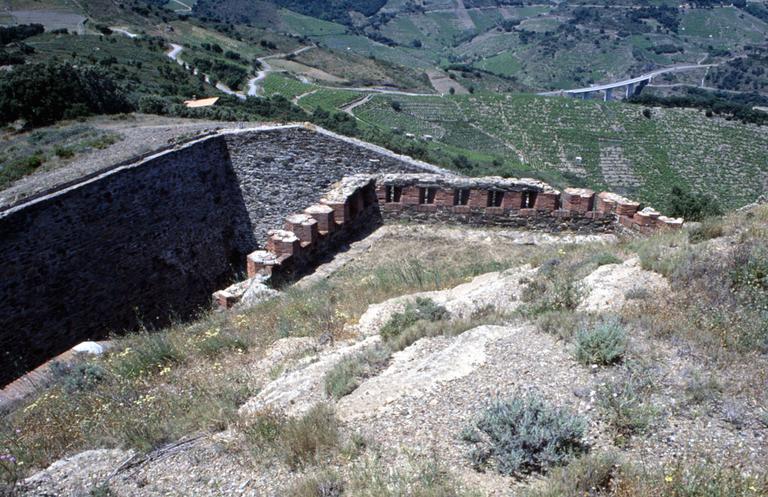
(630, 90)
(608, 94)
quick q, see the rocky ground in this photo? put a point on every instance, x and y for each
(418, 404)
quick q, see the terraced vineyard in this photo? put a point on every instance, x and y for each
(610, 145)
(605, 145)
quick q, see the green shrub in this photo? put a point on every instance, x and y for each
(562, 324)
(603, 258)
(552, 291)
(64, 152)
(691, 206)
(145, 353)
(708, 229)
(626, 404)
(303, 440)
(153, 104)
(325, 484)
(590, 475)
(524, 435)
(422, 309)
(603, 344)
(44, 93)
(18, 168)
(215, 341)
(78, 377)
(348, 373)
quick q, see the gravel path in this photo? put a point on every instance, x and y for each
(141, 134)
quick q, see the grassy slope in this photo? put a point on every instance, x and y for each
(154, 388)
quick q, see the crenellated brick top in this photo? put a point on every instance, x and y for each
(492, 200)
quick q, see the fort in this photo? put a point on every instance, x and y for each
(146, 242)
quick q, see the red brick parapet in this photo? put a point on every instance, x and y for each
(487, 200)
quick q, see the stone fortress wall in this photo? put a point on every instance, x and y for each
(148, 241)
(361, 200)
(145, 242)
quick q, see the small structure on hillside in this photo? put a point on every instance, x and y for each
(201, 102)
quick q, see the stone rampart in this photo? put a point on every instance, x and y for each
(148, 241)
(361, 200)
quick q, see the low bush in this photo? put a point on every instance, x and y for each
(78, 377)
(326, 484)
(687, 479)
(589, 475)
(554, 290)
(603, 258)
(606, 475)
(422, 309)
(305, 439)
(15, 169)
(145, 353)
(562, 324)
(637, 293)
(603, 344)
(348, 373)
(626, 404)
(215, 341)
(707, 230)
(417, 478)
(701, 388)
(523, 435)
(64, 152)
(297, 441)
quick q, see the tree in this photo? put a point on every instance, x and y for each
(692, 206)
(44, 93)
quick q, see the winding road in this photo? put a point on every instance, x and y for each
(174, 53)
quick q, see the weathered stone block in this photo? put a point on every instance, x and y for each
(303, 226)
(512, 200)
(546, 201)
(478, 198)
(324, 215)
(224, 300)
(444, 197)
(261, 262)
(282, 242)
(578, 199)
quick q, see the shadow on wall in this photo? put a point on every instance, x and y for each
(141, 245)
(148, 242)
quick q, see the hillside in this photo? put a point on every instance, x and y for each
(601, 145)
(378, 376)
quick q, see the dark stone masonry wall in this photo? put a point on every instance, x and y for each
(150, 241)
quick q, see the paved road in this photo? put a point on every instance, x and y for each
(253, 83)
(174, 53)
(626, 82)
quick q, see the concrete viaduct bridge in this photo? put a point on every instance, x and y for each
(625, 88)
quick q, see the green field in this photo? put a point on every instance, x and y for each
(504, 63)
(309, 26)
